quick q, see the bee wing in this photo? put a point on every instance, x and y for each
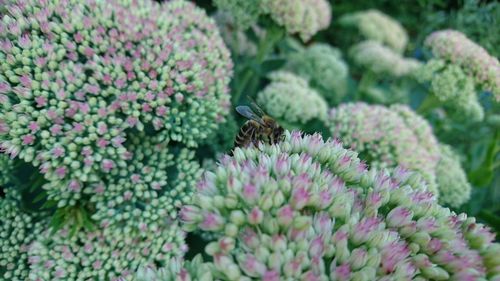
(248, 113)
(256, 107)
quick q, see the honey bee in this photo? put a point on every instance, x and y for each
(259, 127)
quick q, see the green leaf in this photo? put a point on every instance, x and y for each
(271, 64)
(41, 196)
(49, 204)
(484, 174)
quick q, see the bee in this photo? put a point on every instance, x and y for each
(259, 127)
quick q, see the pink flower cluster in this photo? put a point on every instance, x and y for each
(308, 209)
(94, 255)
(80, 77)
(388, 137)
(456, 48)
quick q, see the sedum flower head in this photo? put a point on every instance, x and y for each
(324, 68)
(454, 188)
(382, 60)
(377, 26)
(302, 17)
(451, 86)
(453, 46)
(17, 230)
(235, 38)
(102, 255)
(387, 137)
(176, 268)
(307, 209)
(158, 180)
(5, 170)
(80, 77)
(245, 13)
(290, 99)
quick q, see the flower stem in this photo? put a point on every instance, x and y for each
(365, 82)
(266, 44)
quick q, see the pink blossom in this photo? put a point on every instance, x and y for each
(61, 172)
(28, 139)
(300, 197)
(211, 222)
(107, 165)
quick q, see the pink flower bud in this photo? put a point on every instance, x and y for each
(399, 216)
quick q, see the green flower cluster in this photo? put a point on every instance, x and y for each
(307, 209)
(387, 137)
(302, 17)
(194, 269)
(453, 88)
(377, 26)
(454, 47)
(108, 99)
(154, 186)
(5, 170)
(95, 255)
(289, 99)
(324, 68)
(245, 13)
(79, 78)
(382, 60)
(236, 39)
(17, 230)
(454, 188)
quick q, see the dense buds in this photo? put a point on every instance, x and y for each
(454, 47)
(17, 230)
(377, 26)
(326, 217)
(236, 39)
(302, 17)
(453, 88)
(102, 254)
(106, 99)
(159, 179)
(79, 78)
(177, 270)
(387, 137)
(289, 99)
(324, 68)
(381, 60)
(454, 188)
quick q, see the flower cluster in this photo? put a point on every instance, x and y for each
(387, 137)
(17, 230)
(194, 269)
(302, 17)
(453, 46)
(94, 255)
(158, 180)
(382, 60)
(79, 77)
(5, 170)
(453, 88)
(454, 188)
(324, 68)
(236, 39)
(245, 13)
(289, 99)
(307, 209)
(377, 26)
